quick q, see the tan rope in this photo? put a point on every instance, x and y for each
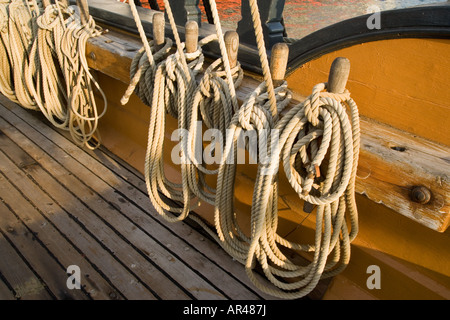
(314, 135)
(301, 154)
(6, 78)
(44, 75)
(46, 54)
(263, 56)
(22, 32)
(170, 88)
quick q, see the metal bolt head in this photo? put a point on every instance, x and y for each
(420, 195)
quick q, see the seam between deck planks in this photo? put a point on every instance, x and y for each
(113, 197)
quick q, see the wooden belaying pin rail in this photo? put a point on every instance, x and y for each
(278, 63)
(158, 23)
(231, 39)
(191, 36)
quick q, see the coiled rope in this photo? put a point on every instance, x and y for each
(313, 140)
(47, 57)
(22, 15)
(6, 77)
(170, 91)
(308, 132)
(44, 75)
(214, 104)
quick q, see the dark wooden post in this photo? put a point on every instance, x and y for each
(186, 10)
(271, 12)
(153, 4)
(84, 11)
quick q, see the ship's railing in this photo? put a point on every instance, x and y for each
(416, 22)
(113, 58)
(271, 12)
(118, 14)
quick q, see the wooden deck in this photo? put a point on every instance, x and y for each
(62, 205)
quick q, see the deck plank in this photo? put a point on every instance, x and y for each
(52, 273)
(113, 200)
(143, 270)
(188, 244)
(5, 293)
(24, 283)
(44, 225)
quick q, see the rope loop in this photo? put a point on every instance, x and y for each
(213, 96)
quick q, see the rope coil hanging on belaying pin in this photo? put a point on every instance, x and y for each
(213, 105)
(171, 90)
(143, 66)
(6, 70)
(313, 132)
(315, 141)
(263, 245)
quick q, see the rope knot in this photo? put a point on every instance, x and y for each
(254, 113)
(312, 105)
